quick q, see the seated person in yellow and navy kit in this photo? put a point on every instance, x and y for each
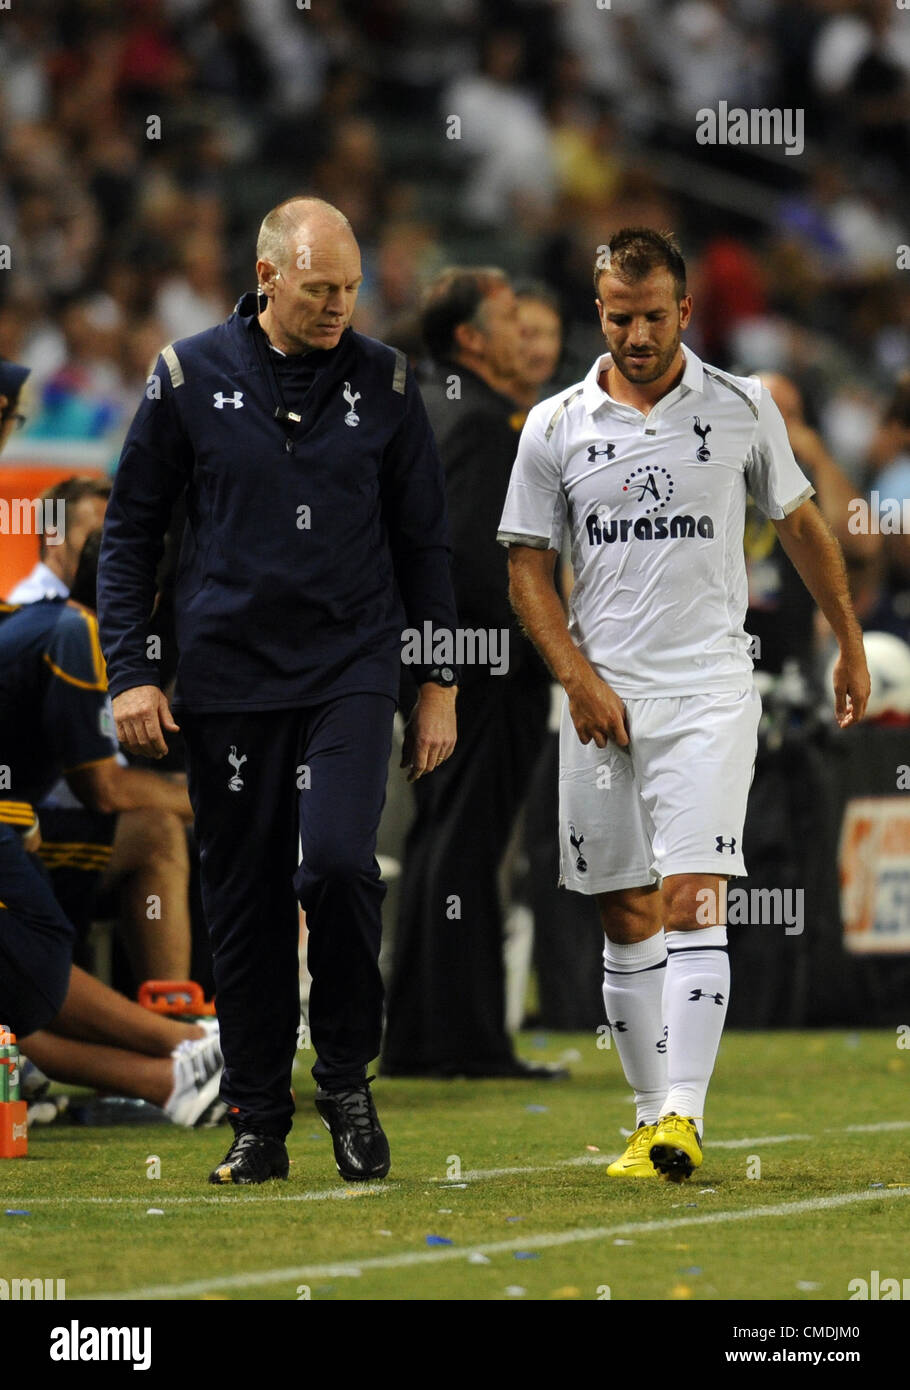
(55, 718)
(35, 936)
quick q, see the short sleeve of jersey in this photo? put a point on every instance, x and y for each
(535, 508)
(773, 476)
(77, 718)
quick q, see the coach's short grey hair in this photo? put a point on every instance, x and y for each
(279, 226)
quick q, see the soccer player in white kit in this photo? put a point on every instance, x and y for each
(648, 461)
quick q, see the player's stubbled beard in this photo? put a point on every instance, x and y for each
(653, 361)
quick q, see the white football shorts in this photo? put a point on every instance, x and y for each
(672, 802)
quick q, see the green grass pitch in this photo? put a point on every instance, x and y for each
(821, 1121)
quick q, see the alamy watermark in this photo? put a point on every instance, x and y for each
(466, 646)
(878, 1289)
(759, 125)
(752, 907)
(79, 1343)
(26, 1290)
(34, 516)
(885, 516)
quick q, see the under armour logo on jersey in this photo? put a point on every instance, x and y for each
(702, 453)
(576, 841)
(703, 994)
(593, 451)
(221, 400)
(618, 1027)
(723, 844)
(236, 782)
(352, 418)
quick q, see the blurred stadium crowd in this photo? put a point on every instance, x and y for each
(141, 141)
(574, 120)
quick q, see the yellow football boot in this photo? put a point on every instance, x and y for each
(635, 1163)
(675, 1147)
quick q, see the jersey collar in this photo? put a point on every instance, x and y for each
(693, 378)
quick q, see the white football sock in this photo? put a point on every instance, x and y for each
(696, 992)
(633, 990)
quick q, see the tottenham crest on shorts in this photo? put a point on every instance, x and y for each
(576, 841)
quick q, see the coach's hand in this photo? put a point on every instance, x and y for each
(141, 715)
(429, 736)
(597, 711)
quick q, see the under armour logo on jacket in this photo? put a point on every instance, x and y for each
(593, 452)
(221, 400)
(352, 397)
(723, 844)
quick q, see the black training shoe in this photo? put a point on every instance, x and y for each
(252, 1158)
(361, 1148)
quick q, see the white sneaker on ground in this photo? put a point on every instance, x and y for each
(198, 1065)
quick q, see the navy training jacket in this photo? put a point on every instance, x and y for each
(307, 548)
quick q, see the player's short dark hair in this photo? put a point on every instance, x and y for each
(633, 253)
(71, 491)
(456, 296)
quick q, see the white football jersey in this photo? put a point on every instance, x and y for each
(655, 505)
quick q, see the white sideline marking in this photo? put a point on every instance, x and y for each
(328, 1194)
(545, 1241)
(371, 1190)
(580, 1161)
(871, 1129)
(765, 1139)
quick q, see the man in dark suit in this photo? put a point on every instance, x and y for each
(446, 1003)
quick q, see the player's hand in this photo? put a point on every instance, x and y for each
(851, 684)
(597, 712)
(141, 716)
(429, 736)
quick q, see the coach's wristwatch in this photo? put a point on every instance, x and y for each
(441, 675)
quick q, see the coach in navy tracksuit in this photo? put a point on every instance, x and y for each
(315, 533)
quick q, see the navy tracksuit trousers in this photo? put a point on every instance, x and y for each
(257, 779)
